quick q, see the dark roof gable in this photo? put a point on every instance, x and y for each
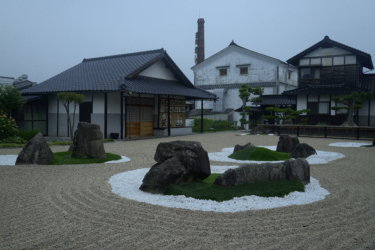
(110, 73)
(364, 58)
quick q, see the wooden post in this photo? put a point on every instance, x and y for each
(325, 132)
(105, 114)
(121, 115)
(57, 116)
(126, 117)
(202, 116)
(169, 116)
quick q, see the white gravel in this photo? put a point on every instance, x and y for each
(10, 160)
(126, 185)
(350, 144)
(322, 157)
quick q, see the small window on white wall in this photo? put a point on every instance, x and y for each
(223, 72)
(244, 70)
(338, 60)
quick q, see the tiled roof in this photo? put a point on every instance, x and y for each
(96, 74)
(146, 85)
(365, 58)
(109, 73)
(278, 100)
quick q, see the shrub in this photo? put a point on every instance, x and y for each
(213, 125)
(27, 134)
(8, 127)
(13, 140)
(259, 154)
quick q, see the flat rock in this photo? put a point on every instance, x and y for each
(249, 173)
(36, 151)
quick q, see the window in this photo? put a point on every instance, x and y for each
(244, 70)
(290, 74)
(338, 60)
(327, 61)
(310, 73)
(350, 60)
(318, 104)
(316, 61)
(304, 62)
(223, 72)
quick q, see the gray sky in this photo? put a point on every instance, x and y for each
(42, 38)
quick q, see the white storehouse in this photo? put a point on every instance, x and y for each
(224, 72)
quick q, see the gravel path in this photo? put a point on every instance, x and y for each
(72, 207)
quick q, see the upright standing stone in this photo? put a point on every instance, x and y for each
(88, 141)
(287, 143)
(36, 151)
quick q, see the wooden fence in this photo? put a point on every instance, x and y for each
(323, 131)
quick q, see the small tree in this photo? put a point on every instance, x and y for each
(351, 103)
(245, 93)
(70, 98)
(10, 100)
(284, 114)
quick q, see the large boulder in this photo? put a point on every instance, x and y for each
(302, 150)
(249, 173)
(177, 162)
(238, 147)
(190, 153)
(287, 143)
(88, 141)
(36, 151)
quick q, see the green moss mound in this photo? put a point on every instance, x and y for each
(259, 154)
(65, 158)
(206, 190)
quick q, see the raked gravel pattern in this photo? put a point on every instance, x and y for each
(73, 207)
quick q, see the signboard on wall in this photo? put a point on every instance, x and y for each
(177, 113)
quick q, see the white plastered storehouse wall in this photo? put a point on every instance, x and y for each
(261, 69)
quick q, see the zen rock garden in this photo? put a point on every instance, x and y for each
(87, 143)
(181, 162)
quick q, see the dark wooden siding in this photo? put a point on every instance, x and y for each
(347, 74)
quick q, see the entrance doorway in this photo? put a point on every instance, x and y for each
(139, 120)
(85, 110)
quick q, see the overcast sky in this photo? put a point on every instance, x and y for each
(42, 38)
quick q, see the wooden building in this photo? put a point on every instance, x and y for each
(328, 69)
(130, 95)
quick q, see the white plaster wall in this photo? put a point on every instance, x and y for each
(334, 51)
(114, 103)
(269, 91)
(98, 103)
(158, 70)
(301, 102)
(260, 69)
(232, 100)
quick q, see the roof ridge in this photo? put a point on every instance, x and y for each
(121, 55)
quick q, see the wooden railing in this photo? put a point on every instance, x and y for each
(323, 131)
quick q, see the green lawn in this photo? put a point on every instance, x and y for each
(206, 190)
(64, 158)
(259, 154)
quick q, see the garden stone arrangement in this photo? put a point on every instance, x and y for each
(289, 170)
(239, 147)
(291, 144)
(88, 141)
(36, 151)
(177, 162)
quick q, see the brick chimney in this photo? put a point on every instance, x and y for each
(199, 42)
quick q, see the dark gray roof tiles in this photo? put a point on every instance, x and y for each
(324, 89)
(278, 100)
(146, 85)
(119, 73)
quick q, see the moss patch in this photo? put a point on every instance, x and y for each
(206, 190)
(259, 154)
(64, 158)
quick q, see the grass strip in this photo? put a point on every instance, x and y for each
(64, 158)
(259, 154)
(206, 190)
